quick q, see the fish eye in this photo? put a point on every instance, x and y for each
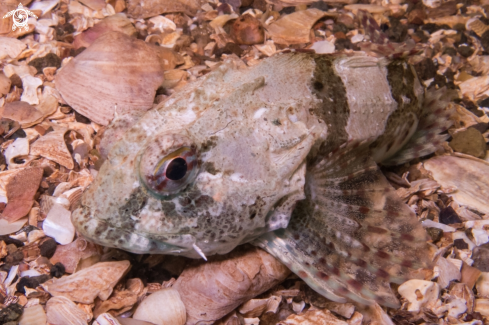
(167, 167)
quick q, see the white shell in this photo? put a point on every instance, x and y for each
(428, 293)
(58, 225)
(163, 307)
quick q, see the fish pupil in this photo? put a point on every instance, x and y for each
(176, 169)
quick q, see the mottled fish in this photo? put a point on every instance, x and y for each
(284, 155)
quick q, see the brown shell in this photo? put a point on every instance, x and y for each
(115, 71)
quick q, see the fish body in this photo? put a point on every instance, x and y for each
(284, 155)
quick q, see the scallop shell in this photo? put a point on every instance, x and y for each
(116, 71)
(33, 315)
(476, 26)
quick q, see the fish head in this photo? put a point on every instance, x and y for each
(214, 166)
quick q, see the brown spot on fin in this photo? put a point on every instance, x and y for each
(362, 235)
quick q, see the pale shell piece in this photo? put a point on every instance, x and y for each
(482, 285)
(295, 28)
(323, 47)
(34, 315)
(45, 6)
(85, 285)
(94, 4)
(163, 307)
(30, 85)
(356, 319)
(221, 20)
(116, 23)
(53, 147)
(373, 9)
(253, 307)
(251, 321)
(482, 306)
(432, 3)
(173, 78)
(146, 9)
(108, 76)
(344, 309)
(475, 88)
(35, 235)
(313, 317)
(132, 321)
(268, 48)
(419, 293)
(162, 24)
(23, 113)
(107, 319)
(74, 196)
(432, 224)
(4, 85)
(469, 176)
(10, 47)
(7, 228)
(58, 225)
(61, 310)
(462, 291)
(456, 307)
(480, 231)
(19, 148)
(447, 272)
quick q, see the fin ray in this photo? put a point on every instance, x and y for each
(352, 235)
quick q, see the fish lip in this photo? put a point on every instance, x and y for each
(89, 226)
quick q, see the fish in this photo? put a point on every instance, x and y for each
(284, 155)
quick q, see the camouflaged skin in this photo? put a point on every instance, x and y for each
(297, 129)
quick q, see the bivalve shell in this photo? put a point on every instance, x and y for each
(117, 72)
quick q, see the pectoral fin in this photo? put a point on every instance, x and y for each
(352, 235)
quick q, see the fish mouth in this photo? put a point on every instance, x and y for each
(102, 232)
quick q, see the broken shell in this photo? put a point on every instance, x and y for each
(419, 293)
(6, 228)
(71, 254)
(85, 285)
(4, 84)
(107, 319)
(482, 306)
(476, 26)
(253, 307)
(58, 225)
(34, 315)
(53, 147)
(447, 272)
(146, 9)
(295, 28)
(323, 47)
(466, 175)
(23, 113)
(313, 317)
(20, 193)
(163, 307)
(18, 149)
(114, 23)
(482, 285)
(462, 291)
(61, 310)
(108, 76)
(10, 47)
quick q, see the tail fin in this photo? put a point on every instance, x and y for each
(352, 235)
(433, 121)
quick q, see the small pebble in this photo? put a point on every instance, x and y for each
(434, 233)
(460, 244)
(57, 270)
(48, 248)
(50, 60)
(448, 216)
(470, 142)
(10, 313)
(480, 255)
(31, 282)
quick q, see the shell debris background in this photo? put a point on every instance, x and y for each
(53, 142)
